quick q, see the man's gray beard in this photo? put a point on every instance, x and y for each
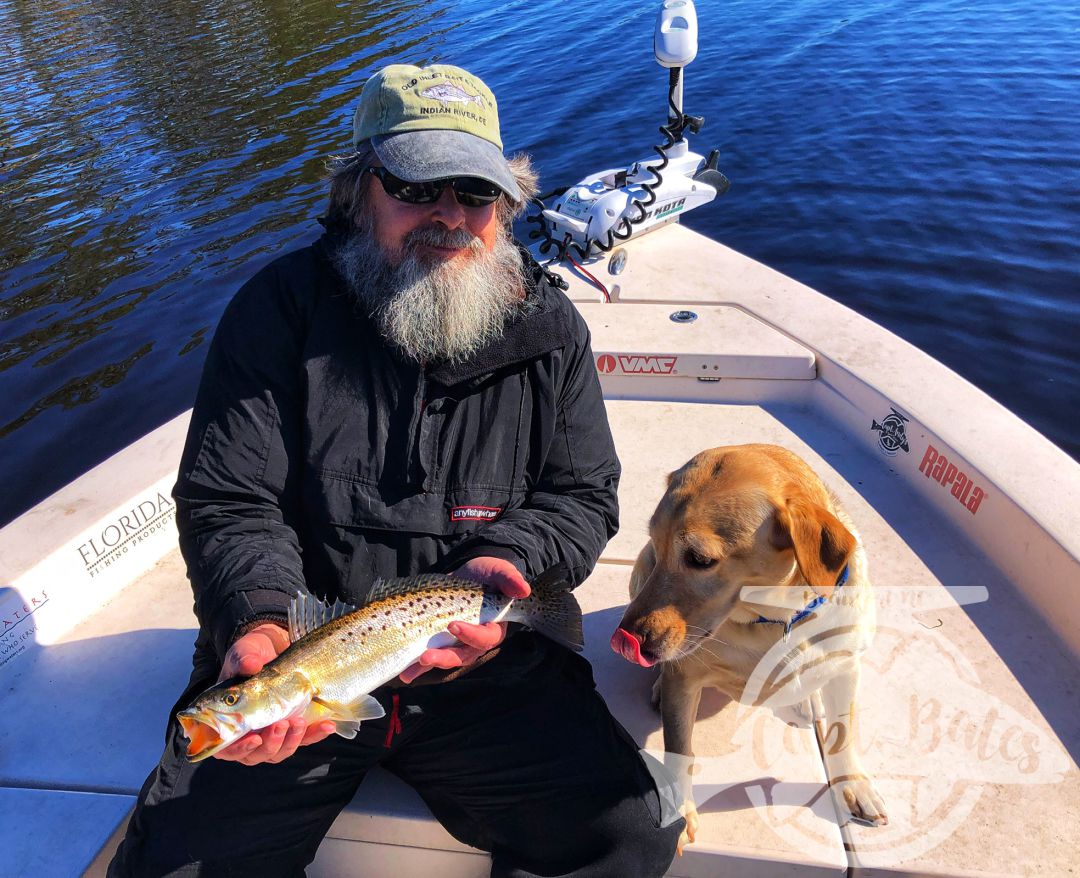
(430, 307)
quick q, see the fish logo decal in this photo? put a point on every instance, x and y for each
(449, 93)
(892, 436)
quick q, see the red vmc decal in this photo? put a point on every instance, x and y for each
(636, 364)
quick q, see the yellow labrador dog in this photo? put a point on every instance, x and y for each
(751, 558)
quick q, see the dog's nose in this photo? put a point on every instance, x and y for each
(629, 647)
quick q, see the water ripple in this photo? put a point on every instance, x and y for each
(916, 159)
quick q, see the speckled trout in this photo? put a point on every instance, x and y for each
(339, 654)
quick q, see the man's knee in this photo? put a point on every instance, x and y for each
(626, 838)
(644, 828)
(642, 845)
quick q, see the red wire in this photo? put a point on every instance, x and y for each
(584, 271)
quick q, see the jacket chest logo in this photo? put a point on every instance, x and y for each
(475, 513)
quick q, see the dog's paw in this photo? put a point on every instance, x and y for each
(689, 812)
(862, 801)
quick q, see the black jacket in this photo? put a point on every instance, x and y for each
(319, 458)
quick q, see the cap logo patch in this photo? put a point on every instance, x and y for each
(447, 92)
(475, 513)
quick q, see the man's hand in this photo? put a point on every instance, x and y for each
(475, 639)
(245, 657)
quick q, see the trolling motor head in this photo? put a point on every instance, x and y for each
(675, 37)
(621, 203)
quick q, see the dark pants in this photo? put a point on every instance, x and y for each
(520, 758)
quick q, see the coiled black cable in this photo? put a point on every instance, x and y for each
(673, 132)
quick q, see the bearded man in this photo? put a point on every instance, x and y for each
(409, 394)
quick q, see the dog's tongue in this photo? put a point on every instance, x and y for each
(629, 647)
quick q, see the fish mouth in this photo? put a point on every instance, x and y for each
(203, 733)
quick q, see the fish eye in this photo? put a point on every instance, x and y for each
(230, 698)
(698, 561)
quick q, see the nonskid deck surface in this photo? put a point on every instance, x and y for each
(762, 790)
(970, 715)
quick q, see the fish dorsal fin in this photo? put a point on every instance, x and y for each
(306, 613)
(388, 588)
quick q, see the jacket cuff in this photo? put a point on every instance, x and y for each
(242, 609)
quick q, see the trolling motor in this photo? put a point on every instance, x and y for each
(622, 203)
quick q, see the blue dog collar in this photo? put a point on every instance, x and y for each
(805, 611)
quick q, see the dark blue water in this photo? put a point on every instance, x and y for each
(919, 161)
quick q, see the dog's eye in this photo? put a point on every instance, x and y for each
(698, 561)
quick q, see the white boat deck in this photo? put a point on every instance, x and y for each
(971, 714)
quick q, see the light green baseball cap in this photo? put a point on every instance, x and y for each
(431, 123)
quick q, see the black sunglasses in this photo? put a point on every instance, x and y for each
(469, 191)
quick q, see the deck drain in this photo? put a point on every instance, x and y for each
(617, 262)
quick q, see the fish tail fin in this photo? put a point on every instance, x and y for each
(552, 609)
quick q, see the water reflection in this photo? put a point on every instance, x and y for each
(80, 390)
(916, 161)
(153, 152)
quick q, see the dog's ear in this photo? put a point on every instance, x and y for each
(675, 477)
(823, 546)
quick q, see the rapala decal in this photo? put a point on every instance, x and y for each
(936, 466)
(475, 513)
(891, 434)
